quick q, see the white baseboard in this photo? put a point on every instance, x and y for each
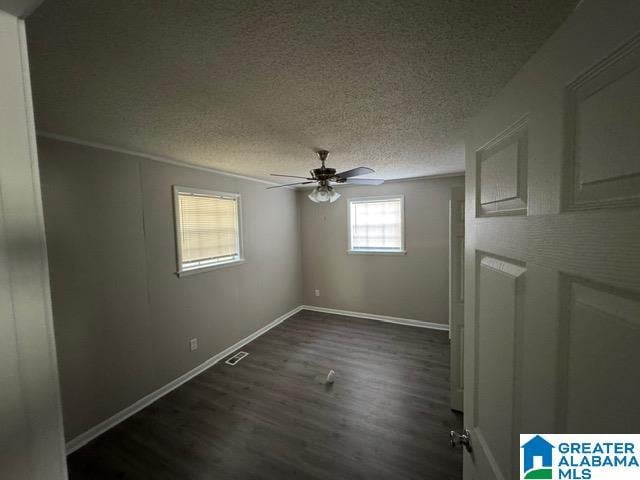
(381, 318)
(86, 437)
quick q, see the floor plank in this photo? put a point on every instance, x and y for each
(271, 417)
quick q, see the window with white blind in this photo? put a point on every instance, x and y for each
(208, 229)
(376, 225)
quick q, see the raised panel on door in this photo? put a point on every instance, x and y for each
(603, 140)
(499, 312)
(599, 345)
(501, 171)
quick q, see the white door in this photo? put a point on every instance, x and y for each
(552, 307)
(456, 296)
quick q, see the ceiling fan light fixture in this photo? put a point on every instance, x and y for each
(324, 176)
(323, 194)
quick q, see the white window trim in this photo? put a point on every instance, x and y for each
(401, 251)
(183, 272)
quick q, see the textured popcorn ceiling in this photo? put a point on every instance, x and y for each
(252, 87)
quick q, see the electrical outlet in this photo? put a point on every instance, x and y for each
(317, 292)
(193, 344)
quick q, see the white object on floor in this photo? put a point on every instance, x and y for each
(331, 377)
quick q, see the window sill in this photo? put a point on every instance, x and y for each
(376, 252)
(208, 268)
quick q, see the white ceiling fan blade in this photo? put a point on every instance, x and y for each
(290, 184)
(290, 176)
(355, 172)
(364, 181)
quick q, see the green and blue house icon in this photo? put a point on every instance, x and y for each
(538, 447)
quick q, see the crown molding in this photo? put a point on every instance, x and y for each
(182, 163)
(149, 156)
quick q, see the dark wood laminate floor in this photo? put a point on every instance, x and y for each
(270, 417)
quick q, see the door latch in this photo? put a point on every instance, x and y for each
(463, 438)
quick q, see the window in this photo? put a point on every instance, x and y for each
(208, 229)
(376, 225)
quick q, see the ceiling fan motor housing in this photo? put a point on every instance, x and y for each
(323, 174)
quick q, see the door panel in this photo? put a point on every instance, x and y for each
(456, 296)
(552, 253)
(502, 173)
(600, 343)
(603, 112)
(499, 311)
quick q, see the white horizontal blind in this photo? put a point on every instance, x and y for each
(208, 229)
(376, 224)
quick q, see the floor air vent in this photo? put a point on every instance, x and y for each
(236, 358)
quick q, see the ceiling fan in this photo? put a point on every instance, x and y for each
(326, 176)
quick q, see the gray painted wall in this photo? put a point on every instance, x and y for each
(413, 286)
(123, 319)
